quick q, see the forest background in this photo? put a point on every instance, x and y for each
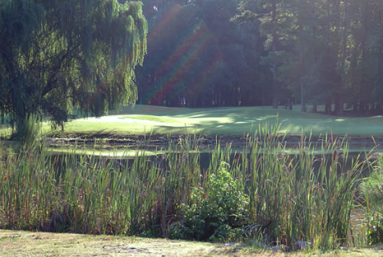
(62, 60)
(208, 53)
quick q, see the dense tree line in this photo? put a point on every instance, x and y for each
(197, 57)
(61, 56)
(264, 52)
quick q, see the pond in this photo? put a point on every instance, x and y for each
(234, 156)
(90, 191)
(158, 144)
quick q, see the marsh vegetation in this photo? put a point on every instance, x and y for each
(269, 195)
(64, 64)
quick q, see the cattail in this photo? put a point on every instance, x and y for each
(334, 155)
(360, 166)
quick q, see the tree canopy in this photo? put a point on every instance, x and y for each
(332, 51)
(57, 56)
(272, 53)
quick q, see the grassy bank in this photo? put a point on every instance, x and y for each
(144, 120)
(223, 121)
(286, 198)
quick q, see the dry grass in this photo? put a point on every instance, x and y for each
(22, 243)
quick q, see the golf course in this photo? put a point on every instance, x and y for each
(132, 125)
(235, 139)
(191, 128)
(232, 121)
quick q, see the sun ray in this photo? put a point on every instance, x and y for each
(180, 62)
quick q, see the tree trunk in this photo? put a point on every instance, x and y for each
(315, 108)
(339, 104)
(328, 108)
(303, 103)
(2, 117)
(339, 97)
(275, 88)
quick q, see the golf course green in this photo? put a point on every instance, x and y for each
(236, 121)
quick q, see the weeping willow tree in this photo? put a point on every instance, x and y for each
(57, 56)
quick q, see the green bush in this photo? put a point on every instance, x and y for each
(372, 189)
(217, 213)
(375, 228)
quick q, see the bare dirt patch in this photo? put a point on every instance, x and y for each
(23, 243)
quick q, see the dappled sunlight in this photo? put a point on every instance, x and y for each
(175, 119)
(319, 128)
(197, 115)
(117, 119)
(228, 121)
(5, 132)
(159, 119)
(376, 117)
(267, 117)
(206, 121)
(292, 129)
(115, 153)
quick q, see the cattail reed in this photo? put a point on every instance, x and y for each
(294, 194)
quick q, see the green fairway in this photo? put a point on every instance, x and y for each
(144, 120)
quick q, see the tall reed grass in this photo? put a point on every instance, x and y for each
(28, 129)
(293, 196)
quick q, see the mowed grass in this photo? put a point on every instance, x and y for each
(145, 120)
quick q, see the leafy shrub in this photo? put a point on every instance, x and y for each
(375, 228)
(217, 213)
(372, 189)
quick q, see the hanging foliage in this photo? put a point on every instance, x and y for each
(60, 55)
